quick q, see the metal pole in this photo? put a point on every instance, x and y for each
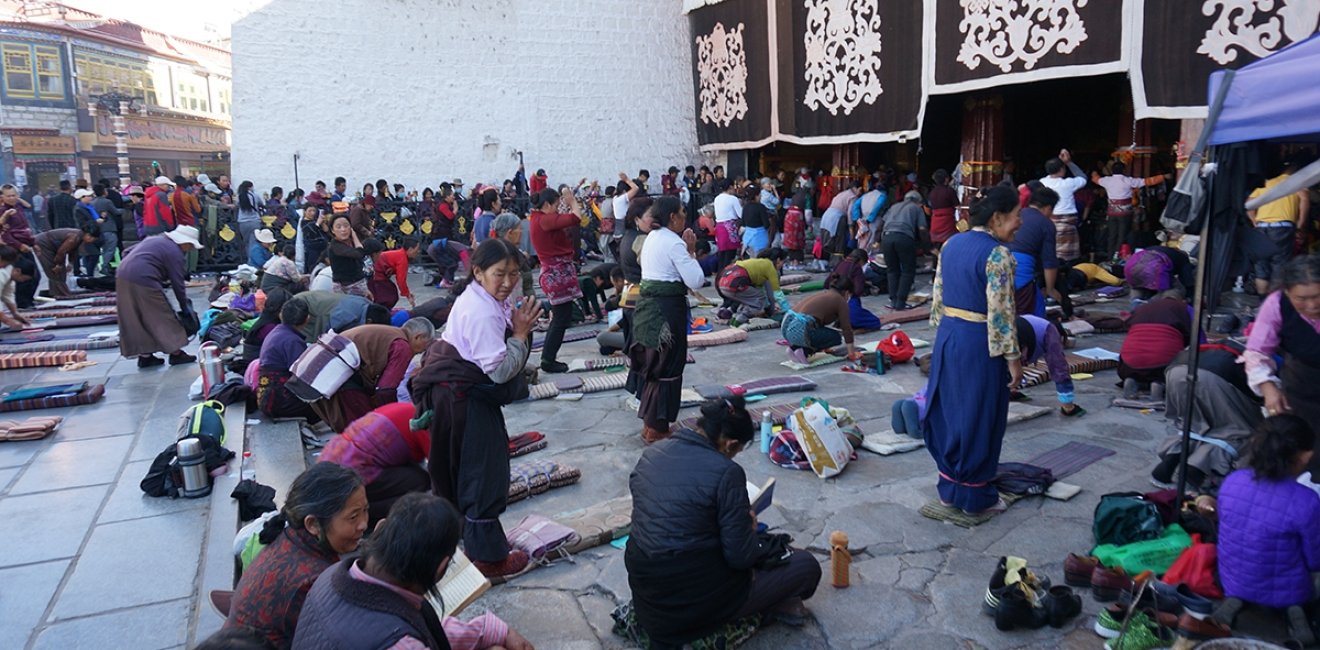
(121, 143)
(1194, 358)
(295, 172)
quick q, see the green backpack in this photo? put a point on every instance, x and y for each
(1125, 517)
(205, 419)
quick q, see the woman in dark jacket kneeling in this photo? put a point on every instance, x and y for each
(694, 556)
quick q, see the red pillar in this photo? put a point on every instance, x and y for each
(982, 140)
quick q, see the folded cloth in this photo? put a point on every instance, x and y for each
(887, 442)
(1139, 404)
(530, 478)
(33, 428)
(40, 359)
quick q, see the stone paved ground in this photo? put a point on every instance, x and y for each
(89, 562)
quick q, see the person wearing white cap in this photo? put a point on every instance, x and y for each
(158, 215)
(85, 213)
(262, 249)
(147, 322)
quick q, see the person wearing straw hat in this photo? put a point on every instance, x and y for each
(147, 322)
(263, 249)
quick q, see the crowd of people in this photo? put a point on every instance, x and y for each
(435, 377)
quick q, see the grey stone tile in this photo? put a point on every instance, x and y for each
(110, 574)
(17, 454)
(128, 502)
(101, 420)
(47, 526)
(7, 477)
(153, 627)
(157, 432)
(20, 615)
(75, 463)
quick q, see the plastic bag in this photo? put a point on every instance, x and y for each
(827, 449)
(1196, 568)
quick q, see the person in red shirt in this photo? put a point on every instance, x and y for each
(550, 238)
(157, 216)
(539, 182)
(390, 268)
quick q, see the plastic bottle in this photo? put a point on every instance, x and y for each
(840, 559)
(767, 430)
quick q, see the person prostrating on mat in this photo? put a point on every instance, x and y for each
(753, 285)
(806, 326)
(465, 379)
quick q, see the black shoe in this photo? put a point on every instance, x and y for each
(150, 361)
(180, 358)
(1062, 605)
(554, 366)
(1016, 611)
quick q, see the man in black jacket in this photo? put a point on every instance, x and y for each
(59, 209)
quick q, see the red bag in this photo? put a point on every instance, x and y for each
(899, 347)
(1196, 568)
(818, 249)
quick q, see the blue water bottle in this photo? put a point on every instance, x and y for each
(766, 432)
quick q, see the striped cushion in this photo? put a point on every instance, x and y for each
(599, 383)
(569, 337)
(103, 301)
(1037, 374)
(543, 391)
(535, 477)
(76, 321)
(768, 386)
(794, 278)
(40, 359)
(87, 396)
(72, 312)
(719, 337)
(778, 414)
(757, 324)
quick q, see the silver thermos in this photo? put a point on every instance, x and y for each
(213, 370)
(192, 466)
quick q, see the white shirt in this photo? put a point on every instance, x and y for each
(727, 208)
(1065, 188)
(620, 203)
(1119, 187)
(665, 258)
(7, 285)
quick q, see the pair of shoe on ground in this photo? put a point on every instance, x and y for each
(176, 359)
(1018, 598)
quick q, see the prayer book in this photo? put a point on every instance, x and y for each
(462, 583)
(761, 497)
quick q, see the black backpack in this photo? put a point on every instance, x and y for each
(163, 478)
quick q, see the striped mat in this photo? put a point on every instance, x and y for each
(718, 337)
(1037, 373)
(104, 343)
(1070, 458)
(794, 278)
(757, 324)
(569, 337)
(907, 316)
(103, 301)
(941, 512)
(40, 359)
(767, 386)
(72, 312)
(603, 363)
(778, 414)
(76, 321)
(86, 396)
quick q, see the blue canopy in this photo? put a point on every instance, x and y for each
(1275, 97)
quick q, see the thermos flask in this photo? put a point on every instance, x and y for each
(213, 370)
(191, 461)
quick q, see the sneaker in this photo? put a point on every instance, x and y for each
(1142, 634)
(999, 584)
(1130, 388)
(1196, 605)
(180, 358)
(221, 601)
(1109, 622)
(150, 361)
(1077, 570)
(514, 564)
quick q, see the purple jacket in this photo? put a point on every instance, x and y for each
(1269, 539)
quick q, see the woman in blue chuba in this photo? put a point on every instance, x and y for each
(976, 358)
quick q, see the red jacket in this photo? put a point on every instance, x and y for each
(537, 184)
(379, 440)
(393, 263)
(156, 213)
(550, 233)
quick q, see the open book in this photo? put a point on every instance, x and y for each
(761, 497)
(461, 584)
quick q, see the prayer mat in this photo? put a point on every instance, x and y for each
(1140, 404)
(603, 363)
(1069, 459)
(794, 278)
(106, 301)
(526, 443)
(569, 337)
(1019, 412)
(727, 636)
(24, 339)
(720, 337)
(1037, 373)
(602, 383)
(75, 312)
(941, 512)
(778, 414)
(77, 321)
(806, 287)
(1112, 292)
(566, 383)
(906, 316)
(887, 442)
(816, 360)
(542, 391)
(688, 397)
(531, 478)
(758, 324)
(57, 345)
(40, 359)
(87, 395)
(768, 386)
(33, 428)
(598, 524)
